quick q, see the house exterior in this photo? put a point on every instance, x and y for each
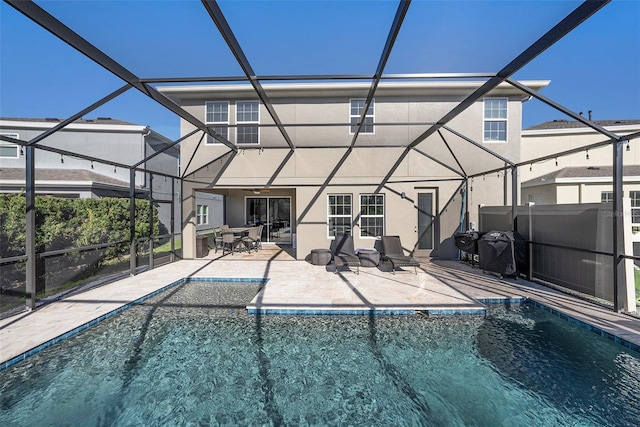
(585, 176)
(307, 177)
(66, 176)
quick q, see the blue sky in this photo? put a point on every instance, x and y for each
(596, 67)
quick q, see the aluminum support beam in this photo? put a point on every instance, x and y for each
(315, 77)
(40, 16)
(172, 222)
(452, 153)
(80, 114)
(571, 21)
(461, 174)
(564, 110)
(225, 30)
(151, 260)
(132, 223)
(401, 12)
(514, 196)
(178, 141)
(30, 215)
(480, 146)
(618, 226)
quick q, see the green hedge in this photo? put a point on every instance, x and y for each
(69, 223)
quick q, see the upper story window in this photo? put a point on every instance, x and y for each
(357, 107)
(635, 206)
(247, 120)
(606, 196)
(495, 120)
(9, 150)
(339, 214)
(371, 215)
(217, 115)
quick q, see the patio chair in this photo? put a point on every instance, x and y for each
(344, 253)
(393, 252)
(251, 239)
(217, 239)
(229, 242)
(259, 243)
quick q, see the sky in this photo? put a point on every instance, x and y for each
(595, 67)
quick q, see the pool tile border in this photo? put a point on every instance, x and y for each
(584, 325)
(19, 358)
(254, 311)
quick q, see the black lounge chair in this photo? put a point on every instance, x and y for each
(344, 253)
(393, 252)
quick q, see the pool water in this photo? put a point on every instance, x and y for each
(193, 356)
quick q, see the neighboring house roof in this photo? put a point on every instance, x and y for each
(98, 120)
(61, 177)
(574, 124)
(582, 174)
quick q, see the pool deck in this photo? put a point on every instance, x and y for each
(297, 287)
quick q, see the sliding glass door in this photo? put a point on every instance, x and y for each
(274, 213)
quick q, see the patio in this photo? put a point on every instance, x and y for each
(296, 287)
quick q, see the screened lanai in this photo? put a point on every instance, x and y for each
(144, 55)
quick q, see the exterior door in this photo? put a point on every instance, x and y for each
(272, 212)
(426, 203)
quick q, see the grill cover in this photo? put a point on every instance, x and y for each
(503, 252)
(467, 241)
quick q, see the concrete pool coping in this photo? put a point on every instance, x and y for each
(296, 287)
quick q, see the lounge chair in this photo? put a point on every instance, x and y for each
(393, 252)
(344, 253)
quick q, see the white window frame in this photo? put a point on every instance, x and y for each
(245, 122)
(370, 115)
(606, 196)
(488, 120)
(364, 215)
(216, 124)
(202, 214)
(635, 206)
(330, 215)
(9, 144)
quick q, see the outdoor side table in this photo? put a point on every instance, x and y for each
(320, 256)
(369, 257)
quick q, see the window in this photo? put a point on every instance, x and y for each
(202, 215)
(247, 119)
(371, 215)
(606, 196)
(357, 107)
(635, 206)
(339, 214)
(495, 120)
(217, 114)
(9, 150)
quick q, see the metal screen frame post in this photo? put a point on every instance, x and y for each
(132, 222)
(514, 196)
(530, 242)
(172, 256)
(151, 260)
(30, 236)
(618, 223)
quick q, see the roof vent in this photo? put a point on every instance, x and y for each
(104, 118)
(52, 119)
(594, 168)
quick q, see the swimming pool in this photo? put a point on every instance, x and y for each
(193, 356)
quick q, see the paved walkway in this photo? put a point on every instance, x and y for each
(298, 287)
